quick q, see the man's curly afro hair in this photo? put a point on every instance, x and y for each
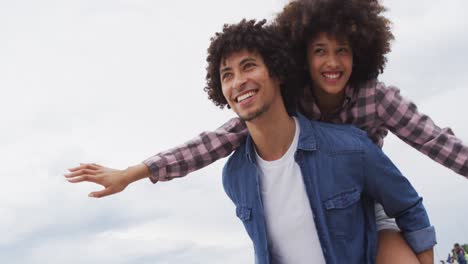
(256, 37)
(360, 22)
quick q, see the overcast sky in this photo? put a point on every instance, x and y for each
(115, 82)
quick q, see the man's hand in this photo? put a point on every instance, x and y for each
(112, 180)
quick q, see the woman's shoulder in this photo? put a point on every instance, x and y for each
(378, 90)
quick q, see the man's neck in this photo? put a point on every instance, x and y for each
(272, 134)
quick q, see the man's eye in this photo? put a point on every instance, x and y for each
(226, 76)
(248, 66)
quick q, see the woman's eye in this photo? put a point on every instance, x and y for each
(343, 50)
(319, 51)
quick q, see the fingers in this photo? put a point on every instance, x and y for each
(92, 172)
(99, 194)
(81, 172)
(89, 166)
(85, 177)
(74, 169)
(92, 166)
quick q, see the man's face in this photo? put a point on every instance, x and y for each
(247, 85)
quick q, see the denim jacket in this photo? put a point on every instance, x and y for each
(344, 174)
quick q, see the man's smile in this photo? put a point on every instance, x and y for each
(244, 97)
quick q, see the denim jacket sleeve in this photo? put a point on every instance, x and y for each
(385, 183)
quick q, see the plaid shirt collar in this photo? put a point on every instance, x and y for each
(350, 96)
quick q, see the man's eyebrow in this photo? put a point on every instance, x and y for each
(225, 69)
(244, 61)
(248, 59)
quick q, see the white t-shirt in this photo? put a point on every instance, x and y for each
(291, 232)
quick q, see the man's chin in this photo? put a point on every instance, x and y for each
(251, 116)
(248, 118)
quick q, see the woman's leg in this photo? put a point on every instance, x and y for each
(394, 249)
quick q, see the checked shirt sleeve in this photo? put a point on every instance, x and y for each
(198, 152)
(402, 118)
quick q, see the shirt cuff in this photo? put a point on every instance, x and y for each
(421, 240)
(157, 169)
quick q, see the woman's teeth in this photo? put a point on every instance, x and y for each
(331, 75)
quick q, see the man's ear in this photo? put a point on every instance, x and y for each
(279, 81)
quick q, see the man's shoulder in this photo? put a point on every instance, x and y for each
(338, 128)
(235, 172)
(336, 137)
(237, 158)
(236, 164)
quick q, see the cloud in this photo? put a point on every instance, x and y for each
(428, 39)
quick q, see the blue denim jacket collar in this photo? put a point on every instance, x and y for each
(307, 140)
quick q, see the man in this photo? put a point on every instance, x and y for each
(303, 190)
(459, 253)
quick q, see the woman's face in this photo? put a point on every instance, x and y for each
(330, 64)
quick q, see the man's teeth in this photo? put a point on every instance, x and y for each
(245, 96)
(331, 75)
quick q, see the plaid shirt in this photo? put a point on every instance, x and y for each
(373, 108)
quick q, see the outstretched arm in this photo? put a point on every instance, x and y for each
(113, 181)
(200, 152)
(418, 130)
(177, 162)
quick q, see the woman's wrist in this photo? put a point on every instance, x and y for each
(137, 172)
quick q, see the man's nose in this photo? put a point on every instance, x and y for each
(239, 82)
